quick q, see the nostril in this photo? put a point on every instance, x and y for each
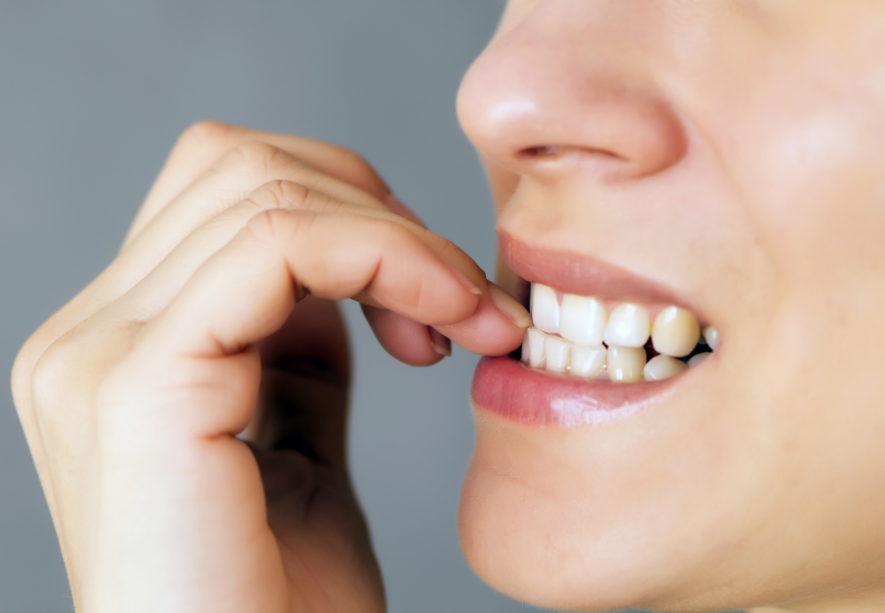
(543, 151)
(553, 152)
(547, 159)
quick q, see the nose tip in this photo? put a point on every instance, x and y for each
(537, 104)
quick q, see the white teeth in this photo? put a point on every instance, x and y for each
(582, 320)
(625, 364)
(557, 352)
(526, 347)
(697, 359)
(588, 362)
(545, 308)
(628, 326)
(567, 338)
(711, 335)
(676, 332)
(663, 367)
(534, 348)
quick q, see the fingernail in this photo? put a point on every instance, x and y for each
(509, 306)
(470, 285)
(441, 344)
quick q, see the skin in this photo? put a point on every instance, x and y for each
(732, 151)
(217, 316)
(735, 153)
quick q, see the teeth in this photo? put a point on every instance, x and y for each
(625, 364)
(697, 359)
(582, 320)
(663, 367)
(545, 308)
(676, 332)
(533, 348)
(588, 362)
(628, 326)
(568, 336)
(711, 336)
(558, 352)
(527, 347)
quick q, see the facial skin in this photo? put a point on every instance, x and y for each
(734, 153)
(728, 155)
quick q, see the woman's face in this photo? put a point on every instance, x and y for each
(727, 157)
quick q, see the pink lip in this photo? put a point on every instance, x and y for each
(575, 273)
(508, 388)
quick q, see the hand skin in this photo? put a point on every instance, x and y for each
(217, 316)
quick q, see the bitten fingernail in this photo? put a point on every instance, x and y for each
(509, 306)
(441, 344)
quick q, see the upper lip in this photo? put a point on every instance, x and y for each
(577, 273)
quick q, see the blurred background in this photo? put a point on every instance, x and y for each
(93, 95)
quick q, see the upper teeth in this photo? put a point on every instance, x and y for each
(628, 326)
(545, 309)
(676, 332)
(576, 335)
(582, 320)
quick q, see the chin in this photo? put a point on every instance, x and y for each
(598, 516)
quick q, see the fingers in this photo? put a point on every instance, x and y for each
(496, 327)
(209, 209)
(204, 143)
(154, 292)
(408, 341)
(246, 291)
(492, 330)
(304, 388)
(228, 182)
(221, 185)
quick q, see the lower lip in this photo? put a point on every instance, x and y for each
(509, 389)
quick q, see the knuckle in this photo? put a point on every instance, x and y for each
(29, 358)
(355, 162)
(256, 162)
(67, 377)
(358, 167)
(265, 226)
(56, 381)
(278, 226)
(23, 369)
(280, 194)
(445, 249)
(203, 136)
(255, 157)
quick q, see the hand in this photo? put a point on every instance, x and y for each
(217, 317)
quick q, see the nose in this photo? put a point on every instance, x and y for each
(571, 86)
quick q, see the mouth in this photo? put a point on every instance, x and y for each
(604, 343)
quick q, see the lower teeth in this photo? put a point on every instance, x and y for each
(555, 354)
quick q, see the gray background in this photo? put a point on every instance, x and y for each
(94, 93)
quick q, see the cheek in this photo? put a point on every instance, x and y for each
(822, 184)
(808, 156)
